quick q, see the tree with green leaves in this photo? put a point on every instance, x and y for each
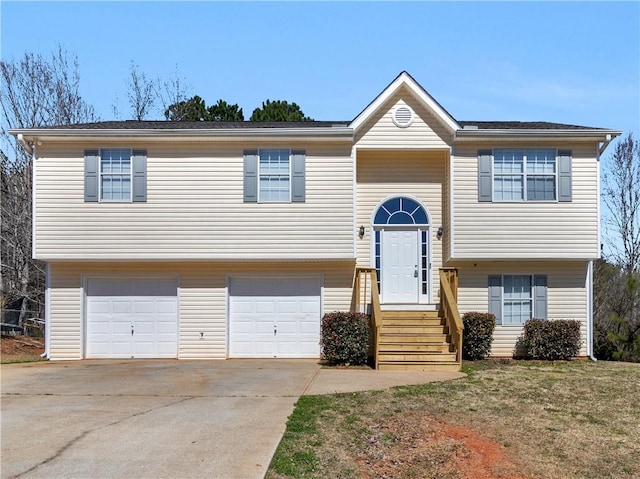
(223, 111)
(278, 110)
(195, 109)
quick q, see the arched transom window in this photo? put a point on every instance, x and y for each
(400, 211)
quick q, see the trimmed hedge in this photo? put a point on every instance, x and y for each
(344, 338)
(477, 335)
(551, 339)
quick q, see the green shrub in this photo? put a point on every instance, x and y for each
(477, 335)
(551, 339)
(345, 338)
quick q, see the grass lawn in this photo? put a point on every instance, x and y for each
(513, 419)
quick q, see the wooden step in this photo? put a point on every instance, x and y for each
(435, 347)
(412, 321)
(404, 366)
(410, 315)
(416, 357)
(414, 338)
(414, 329)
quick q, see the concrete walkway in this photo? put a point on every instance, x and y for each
(161, 418)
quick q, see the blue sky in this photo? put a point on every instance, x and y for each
(566, 62)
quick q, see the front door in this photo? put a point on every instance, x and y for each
(400, 277)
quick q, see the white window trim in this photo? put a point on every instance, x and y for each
(259, 176)
(524, 177)
(100, 174)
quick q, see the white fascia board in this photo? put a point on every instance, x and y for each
(317, 134)
(519, 135)
(406, 80)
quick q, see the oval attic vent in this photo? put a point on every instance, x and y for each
(403, 116)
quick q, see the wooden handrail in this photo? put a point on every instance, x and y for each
(449, 307)
(359, 302)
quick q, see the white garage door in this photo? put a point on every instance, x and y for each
(274, 318)
(129, 318)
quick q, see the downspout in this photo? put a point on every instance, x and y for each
(47, 312)
(590, 311)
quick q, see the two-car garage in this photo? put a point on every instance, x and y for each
(267, 317)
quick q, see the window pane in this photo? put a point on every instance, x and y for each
(508, 188)
(541, 188)
(508, 161)
(400, 218)
(106, 188)
(409, 205)
(541, 161)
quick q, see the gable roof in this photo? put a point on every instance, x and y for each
(407, 81)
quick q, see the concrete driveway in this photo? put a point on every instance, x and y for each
(161, 418)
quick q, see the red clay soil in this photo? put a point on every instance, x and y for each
(419, 446)
(18, 345)
(479, 457)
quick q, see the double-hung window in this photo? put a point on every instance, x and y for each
(524, 174)
(274, 175)
(115, 175)
(514, 299)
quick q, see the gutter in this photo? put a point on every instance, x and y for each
(170, 134)
(469, 134)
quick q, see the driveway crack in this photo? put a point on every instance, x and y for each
(73, 441)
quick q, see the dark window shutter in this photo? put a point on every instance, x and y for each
(495, 297)
(139, 162)
(484, 175)
(540, 297)
(250, 176)
(298, 176)
(564, 175)
(91, 175)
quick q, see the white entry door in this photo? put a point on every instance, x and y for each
(400, 267)
(274, 317)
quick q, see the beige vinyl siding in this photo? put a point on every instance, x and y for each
(194, 207)
(202, 298)
(566, 295)
(545, 230)
(426, 131)
(66, 331)
(418, 174)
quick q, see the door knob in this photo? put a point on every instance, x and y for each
(415, 273)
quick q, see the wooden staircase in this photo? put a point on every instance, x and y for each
(415, 341)
(412, 340)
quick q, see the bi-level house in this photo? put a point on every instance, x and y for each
(231, 240)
